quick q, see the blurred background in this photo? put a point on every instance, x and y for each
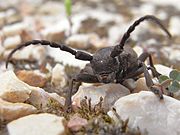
(92, 24)
(87, 25)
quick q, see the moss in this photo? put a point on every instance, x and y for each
(52, 107)
(99, 123)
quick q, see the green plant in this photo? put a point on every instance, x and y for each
(68, 7)
(100, 123)
(172, 82)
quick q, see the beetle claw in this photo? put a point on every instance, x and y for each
(158, 92)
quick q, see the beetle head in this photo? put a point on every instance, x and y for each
(104, 66)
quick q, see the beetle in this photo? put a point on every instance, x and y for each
(112, 64)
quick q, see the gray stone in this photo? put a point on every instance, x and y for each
(11, 111)
(146, 111)
(168, 56)
(12, 42)
(59, 77)
(80, 41)
(175, 25)
(164, 70)
(41, 99)
(109, 92)
(14, 29)
(15, 90)
(84, 41)
(12, 89)
(37, 124)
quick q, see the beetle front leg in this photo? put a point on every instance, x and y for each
(78, 78)
(68, 101)
(143, 57)
(150, 84)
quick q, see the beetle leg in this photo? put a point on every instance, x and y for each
(150, 83)
(143, 57)
(88, 78)
(136, 73)
(68, 97)
(155, 73)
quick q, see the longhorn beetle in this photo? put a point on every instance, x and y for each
(112, 64)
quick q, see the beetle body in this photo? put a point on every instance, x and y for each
(108, 65)
(112, 70)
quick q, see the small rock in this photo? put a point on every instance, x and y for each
(11, 111)
(1, 51)
(175, 25)
(97, 42)
(147, 8)
(12, 89)
(176, 95)
(146, 111)
(52, 33)
(12, 42)
(14, 29)
(56, 97)
(26, 8)
(80, 41)
(109, 92)
(164, 70)
(46, 8)
(15, 90)
(84, 41)
(59, 77)
(138, 50)
(27, 35)
(2, 18)
(12, 16)
(76, 123)
(92, 24)
(31, 78)
(37, 124)
(140, 85)
(168, 57)
(41, 99)
(9, 16)
(3, 67)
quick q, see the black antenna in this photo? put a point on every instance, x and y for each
(119, 48)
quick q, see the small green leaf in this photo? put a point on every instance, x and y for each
(162, 78)
(175, 75)
(68, 6)
(174, 87)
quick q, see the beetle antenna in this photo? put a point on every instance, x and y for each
(78, 54)
(119, 48)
